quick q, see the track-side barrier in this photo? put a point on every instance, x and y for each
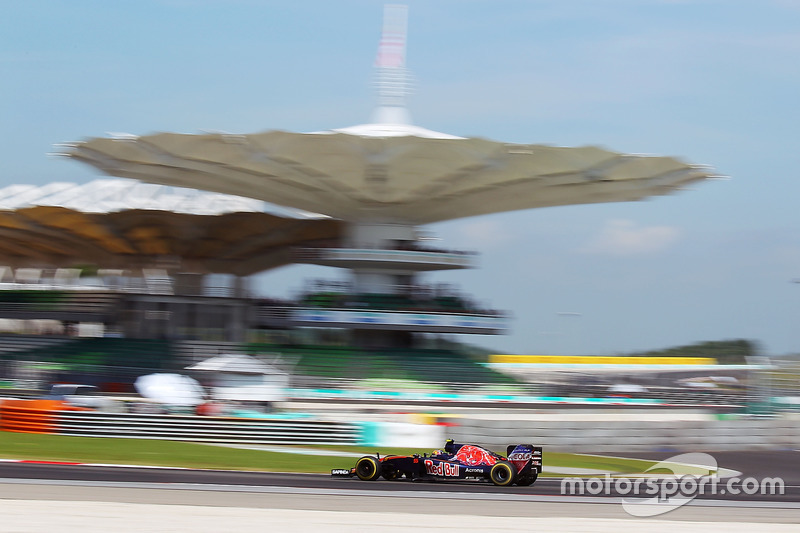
(29, 416)
(32, 416)
(205, 429)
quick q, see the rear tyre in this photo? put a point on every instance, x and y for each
(502, 474)
(368, 468)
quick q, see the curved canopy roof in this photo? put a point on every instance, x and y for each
(387, 172)
(221, 241)
(109, 195)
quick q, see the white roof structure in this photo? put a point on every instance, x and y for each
(393, 176)
(392, 129)
(388, 170)
(111, 195)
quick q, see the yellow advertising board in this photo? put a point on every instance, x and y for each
(600, 360)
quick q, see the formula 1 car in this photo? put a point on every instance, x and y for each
(458, 461)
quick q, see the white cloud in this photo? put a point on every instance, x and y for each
(625, 237)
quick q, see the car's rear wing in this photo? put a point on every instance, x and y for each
(525, 452)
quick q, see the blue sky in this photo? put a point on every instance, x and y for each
(712, 82)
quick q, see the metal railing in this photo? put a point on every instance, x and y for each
(204, 429)
(39, 416)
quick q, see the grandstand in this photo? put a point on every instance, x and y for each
(425, 365)
(113, 364)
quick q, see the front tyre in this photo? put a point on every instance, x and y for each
(368, 468)
(502, 474)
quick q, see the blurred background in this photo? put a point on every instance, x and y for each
(593, 325)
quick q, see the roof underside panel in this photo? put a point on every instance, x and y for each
(235, 243)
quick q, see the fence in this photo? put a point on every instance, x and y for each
(587, 436)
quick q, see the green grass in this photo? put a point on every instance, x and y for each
(621, 465)
(191, 455)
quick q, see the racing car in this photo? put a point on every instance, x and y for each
(522, 465)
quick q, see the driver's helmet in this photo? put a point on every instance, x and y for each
(450, 446)
(437, 452)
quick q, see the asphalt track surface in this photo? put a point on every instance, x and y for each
(331, 504)
(783, 464)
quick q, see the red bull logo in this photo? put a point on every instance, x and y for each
(441, 469)
(473, 455)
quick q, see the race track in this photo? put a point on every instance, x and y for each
(37, 497)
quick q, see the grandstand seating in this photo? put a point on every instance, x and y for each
(122, 360)
(58, 301)
(43, 300)
(338, 362)
(388, 302)
(11, 346)
(113, 364)
(445, 366)
(106, 351)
